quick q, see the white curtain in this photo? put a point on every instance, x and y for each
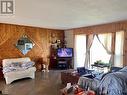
(100, 49)
(80, 49)
(90, 39)
(91, 48)
(119, 41)
(106, 41)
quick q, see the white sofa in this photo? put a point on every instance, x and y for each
(14, 75)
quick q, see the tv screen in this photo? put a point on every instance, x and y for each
(65, 52)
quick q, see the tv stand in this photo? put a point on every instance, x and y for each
(64, 63)
(59, 62)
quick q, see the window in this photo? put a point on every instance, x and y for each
(101, 49)
(119, 41)
(97, 51)
(80, 50)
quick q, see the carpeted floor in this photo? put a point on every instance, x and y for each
(43, 84)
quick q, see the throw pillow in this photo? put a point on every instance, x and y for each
(28, 64)
(16, 64)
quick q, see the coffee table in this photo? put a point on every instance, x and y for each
(69, 77)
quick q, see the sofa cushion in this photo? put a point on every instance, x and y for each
(16, 64)
(28, 64)
(8, 69)
(123, 69)
(21, 72)
(88, 76)
(114, 69)
(81, 70)
(8, 62)
(101, 75)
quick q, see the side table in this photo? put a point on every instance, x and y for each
(68, 77)
(1, 73)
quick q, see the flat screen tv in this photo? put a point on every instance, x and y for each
(65, 52)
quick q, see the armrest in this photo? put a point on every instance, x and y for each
(88, 76)
(89, 71)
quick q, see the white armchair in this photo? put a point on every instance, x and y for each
(14, 75)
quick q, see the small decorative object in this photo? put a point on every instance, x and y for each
(98, 61)
(58, 43)
(64, 43)
(79, 91)
(90, 92)
(67, 89)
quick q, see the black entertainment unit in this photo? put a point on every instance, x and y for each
(64, 58)
(61, 58)
(64, 63)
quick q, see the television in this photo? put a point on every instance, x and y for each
(65, 52)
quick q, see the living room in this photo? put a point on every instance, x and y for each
(59, 38)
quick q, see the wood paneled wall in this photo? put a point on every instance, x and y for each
(9, 35)
(105, 28)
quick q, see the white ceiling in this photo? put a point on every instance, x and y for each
(66, 14)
